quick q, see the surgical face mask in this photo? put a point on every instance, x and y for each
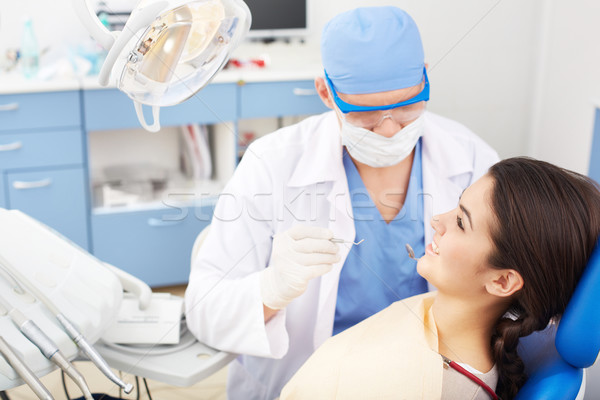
(379, 151)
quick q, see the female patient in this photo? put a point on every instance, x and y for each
(505, 263)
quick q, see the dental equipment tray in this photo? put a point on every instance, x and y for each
(182, 365)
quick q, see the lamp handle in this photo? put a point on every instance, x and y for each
(91, 22)
(138, 20)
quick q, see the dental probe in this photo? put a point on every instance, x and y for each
(23, 371)
(48, 348)
(75, 335)
(336, 240)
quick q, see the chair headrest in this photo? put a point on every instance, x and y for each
(578, 335)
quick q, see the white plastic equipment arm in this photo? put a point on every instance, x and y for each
(133, 285)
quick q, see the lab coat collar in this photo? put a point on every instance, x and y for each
(447, 157)
(322, 162)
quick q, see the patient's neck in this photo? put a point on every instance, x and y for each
(465, 329)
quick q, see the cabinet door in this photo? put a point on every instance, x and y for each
(54, 197)
(277, 99)
(153, 245)
(111, 109)
(41, 149)
(39, 110)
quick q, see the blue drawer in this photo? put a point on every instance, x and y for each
(54, 197)
(111, 109)
(276, 99)
(153, 245)
(39, 110)
(41, 149)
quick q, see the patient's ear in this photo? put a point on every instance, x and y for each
(504, 283)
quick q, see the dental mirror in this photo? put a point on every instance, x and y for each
(411, 252)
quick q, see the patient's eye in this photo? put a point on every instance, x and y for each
(459, 222)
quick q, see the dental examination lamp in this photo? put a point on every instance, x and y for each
(168, 49)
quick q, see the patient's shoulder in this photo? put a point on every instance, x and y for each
(384, 327)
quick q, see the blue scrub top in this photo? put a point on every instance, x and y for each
(378, 272)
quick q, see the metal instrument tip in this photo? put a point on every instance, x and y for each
(411, 252)
(336, 240)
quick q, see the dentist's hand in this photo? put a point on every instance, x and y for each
(299, 255)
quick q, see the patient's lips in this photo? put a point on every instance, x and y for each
(435, 247)
(431, 250)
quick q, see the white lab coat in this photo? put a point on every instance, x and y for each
(293, 176)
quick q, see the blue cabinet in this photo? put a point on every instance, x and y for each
(55, 197)
(154, 245)
(42, 160)
(41, 149)
(44, 169)
(111, 109)
(277, 99)
(39, 110)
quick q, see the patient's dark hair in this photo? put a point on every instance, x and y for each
(547, 224)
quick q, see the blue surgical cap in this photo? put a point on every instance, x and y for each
(372, 49)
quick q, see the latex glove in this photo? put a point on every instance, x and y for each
(298, 255)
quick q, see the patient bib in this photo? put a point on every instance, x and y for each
(391, 355)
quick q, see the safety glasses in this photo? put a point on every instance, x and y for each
(347, 107)
(370, 117)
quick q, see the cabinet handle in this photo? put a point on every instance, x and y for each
(32, 185)
(304, 92)
(159, 223)
(9, 107)
(11, 146)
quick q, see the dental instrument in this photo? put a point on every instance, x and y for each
(48, 348)
(411, 252)
(337, 240)
(73, 333)
(24, 371)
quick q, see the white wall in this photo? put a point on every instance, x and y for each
(54, 22)
(568, 84)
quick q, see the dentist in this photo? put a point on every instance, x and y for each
(268, 282)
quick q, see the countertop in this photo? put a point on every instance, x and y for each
(283, 63)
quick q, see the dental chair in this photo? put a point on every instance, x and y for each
(562, 376)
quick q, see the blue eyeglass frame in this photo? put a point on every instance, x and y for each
(347, 107)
